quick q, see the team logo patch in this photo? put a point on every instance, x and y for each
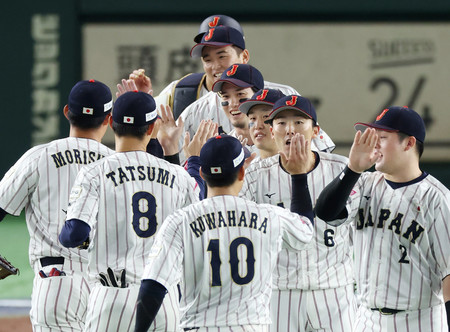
(379, 117)
(214, 22)
(88, 111)
(216, 170)
(150, 116)
(128, 119)
(352, 192)
(75, 193)
(209, 35)
(107, 106)
(232, 71)
(263, 95)
(292, 102)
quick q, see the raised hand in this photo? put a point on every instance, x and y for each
(363, 154)
(142, 81)
(127, 85)
(300, 156)
(205, 131)
(169, 131)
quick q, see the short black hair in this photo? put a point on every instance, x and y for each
(84, 121)
(127, 130)
(419, 144)
(219, 181)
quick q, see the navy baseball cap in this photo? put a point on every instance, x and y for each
(215, 21)
(220, 36)
(398, 119)
(293, 102)
(240, 75)
(222, 155)
(261, 97)
(90, 97)
(135, 108)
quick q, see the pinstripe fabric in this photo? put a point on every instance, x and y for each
(317, 310)
(40, 182)
(212, 295)
(122, 198)
(431, 319)
(323, 265)
(401, 242)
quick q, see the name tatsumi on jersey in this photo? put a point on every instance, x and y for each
(127, 174)
(198, 226)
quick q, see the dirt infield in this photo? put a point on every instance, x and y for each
(15, 324)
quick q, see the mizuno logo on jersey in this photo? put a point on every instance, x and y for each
(394, 223)
(269, 195)
(217, 219)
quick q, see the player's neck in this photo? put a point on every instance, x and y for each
(94, 134)
(125, 144)
(407, 173)
(232, 190)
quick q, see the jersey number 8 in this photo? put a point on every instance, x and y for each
(144, 214)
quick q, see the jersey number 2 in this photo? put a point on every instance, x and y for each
(144, 214)
(234, 261)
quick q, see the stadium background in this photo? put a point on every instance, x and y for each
(376, 52)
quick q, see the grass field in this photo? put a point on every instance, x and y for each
(14, 239)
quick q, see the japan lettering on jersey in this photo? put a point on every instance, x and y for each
(225, 248)
(40, 182)
(327, 263)
(125, 198)
(401, 241)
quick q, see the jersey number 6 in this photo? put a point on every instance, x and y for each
(234, 261)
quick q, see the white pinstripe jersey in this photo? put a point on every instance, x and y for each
(401, 241)
(327, 262)
(225, 248)
(40, 182)
(125, 198)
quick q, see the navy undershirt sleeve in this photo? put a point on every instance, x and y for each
(74, 233)
(331, 202)
(301, 199)
(3, 214)
(150, 298)
(193, 168)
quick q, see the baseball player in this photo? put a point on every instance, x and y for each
(400, 215)
(257, 109)
(224, 247)
(313, 289)
(40, 182)
(118, 205)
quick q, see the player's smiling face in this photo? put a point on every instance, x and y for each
(260, 131)
(216, 59)
(390, 150)
(232, 96)
(289, 122)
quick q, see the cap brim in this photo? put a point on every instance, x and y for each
(196, 51)
(363, 126)
(217, 86)
(246, 105)
(282, 108)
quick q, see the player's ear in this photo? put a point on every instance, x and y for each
(410, 143)
(110, 121)
(66, 111)
(316, 130)
(150, 129)
(241, 173)
(245, 56)
(107, 120)
(201, 173)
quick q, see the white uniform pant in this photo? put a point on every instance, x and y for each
(59, 303)
(432, 319)
(322, 310)
(114, 309)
